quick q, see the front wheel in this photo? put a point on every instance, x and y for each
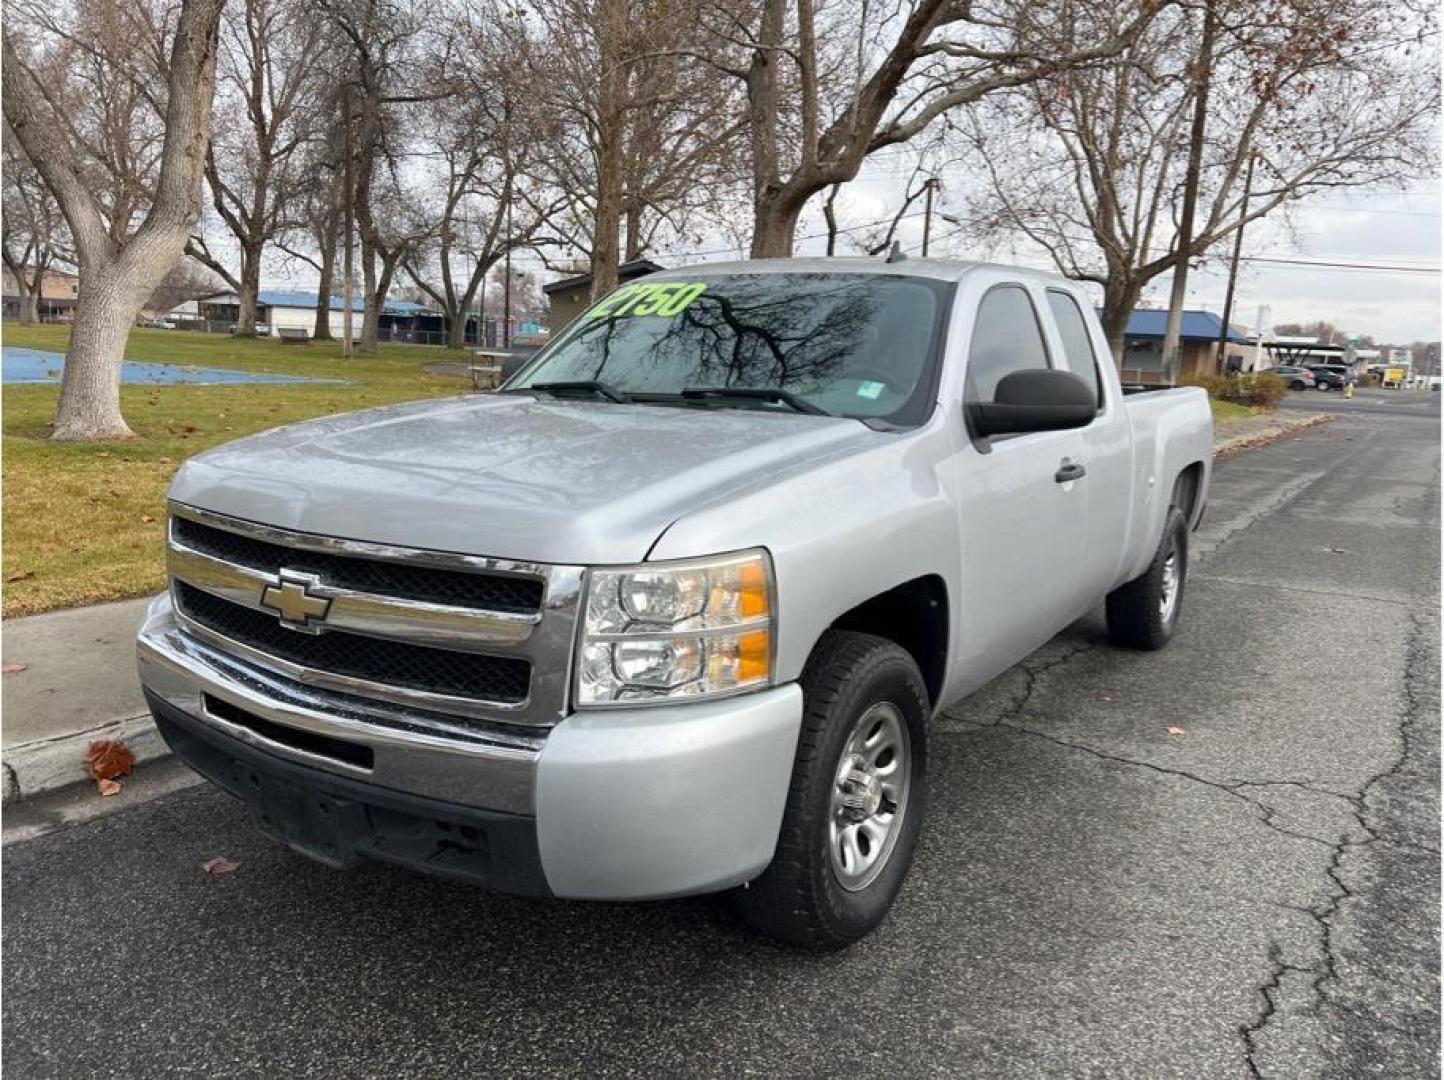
(1143, 613)
(1298, 384)
(855, 804)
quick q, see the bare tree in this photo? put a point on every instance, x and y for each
(1090, 165)
(267, 84)
(643, 133)
(117, 272)
(482, 143)
(32, 232)
(827, 87)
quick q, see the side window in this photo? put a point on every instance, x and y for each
(1006, 338)
(1078, 352)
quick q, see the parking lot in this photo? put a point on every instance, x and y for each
(1219, 860)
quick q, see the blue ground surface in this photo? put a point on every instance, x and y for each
(19, 365)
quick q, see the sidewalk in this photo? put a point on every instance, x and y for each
(79, 682)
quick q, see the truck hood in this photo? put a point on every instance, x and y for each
(510, 476)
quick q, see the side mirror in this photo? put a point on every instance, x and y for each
(511, 365)
(1039, 399)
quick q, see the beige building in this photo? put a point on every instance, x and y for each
(571, 296)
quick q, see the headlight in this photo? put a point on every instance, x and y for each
(682, 629)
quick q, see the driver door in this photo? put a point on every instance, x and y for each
(1022, 521)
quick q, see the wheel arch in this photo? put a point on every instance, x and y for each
(913, 615)
(1187, 487)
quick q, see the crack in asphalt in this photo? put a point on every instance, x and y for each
(1325, 972)
(1268, 990)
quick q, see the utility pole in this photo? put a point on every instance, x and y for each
(506, 284)
(347, 271)
(1233, 265)
(928, 186)
(1202, 77)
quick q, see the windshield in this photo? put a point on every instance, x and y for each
(859, 345)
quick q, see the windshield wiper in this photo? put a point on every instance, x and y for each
(753, 393)
(595, 386)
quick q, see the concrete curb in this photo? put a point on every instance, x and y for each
(1239, 443)
(45, 765)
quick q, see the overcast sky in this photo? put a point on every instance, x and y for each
(1382, 228)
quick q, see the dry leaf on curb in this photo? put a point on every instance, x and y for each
(219, 865)
(10, 668)
(21, 575)
(147, 518)
(108, 759)
(1177, 731)
(108, 787)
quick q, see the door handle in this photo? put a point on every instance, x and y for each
(1069, 470)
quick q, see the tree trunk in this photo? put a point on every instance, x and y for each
(611, 116)
(250, 286)
(771, 236)
(1119, 299)
(90, 383)
(322, 330)
(774, 226)
(632, 249)
(371, 316)
(456, 328)
(29, 306)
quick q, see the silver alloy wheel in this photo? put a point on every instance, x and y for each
(869, 796)
(1168, 592)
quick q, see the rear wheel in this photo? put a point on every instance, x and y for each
(1298, 384)
(855, 805)
(1143, 613)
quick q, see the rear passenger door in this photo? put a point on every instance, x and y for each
(1107, 444)
(1022, 526)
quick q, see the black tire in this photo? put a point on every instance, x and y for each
(1298, 384)
(800, 899)
(1136, 619)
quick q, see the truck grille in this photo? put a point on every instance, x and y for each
(415, 667)
(422, 583)
(430, 632)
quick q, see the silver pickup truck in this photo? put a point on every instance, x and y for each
(670, 612)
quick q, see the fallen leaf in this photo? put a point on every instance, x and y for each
(108, 787)
(1104, 695)
(1177, 731)
(162, 461)
(219, 865)
(1339, 551)
(21, 575)
(10, 668)
(108, 759)
(147, 518)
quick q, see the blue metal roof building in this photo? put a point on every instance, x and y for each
(1196, 325)
(288, 299)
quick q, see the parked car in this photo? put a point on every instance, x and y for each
(158, 324)
(1331, 376)
(1298, 378)
(262, 329)
(670, 613)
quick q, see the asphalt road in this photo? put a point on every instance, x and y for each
(1256, 894)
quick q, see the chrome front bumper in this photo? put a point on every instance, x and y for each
(628, 804)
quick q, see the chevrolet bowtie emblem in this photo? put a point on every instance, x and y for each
(292, 599)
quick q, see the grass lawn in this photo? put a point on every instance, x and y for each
(1228, 410)
(83, 521)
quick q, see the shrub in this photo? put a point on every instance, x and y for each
(1257, 390)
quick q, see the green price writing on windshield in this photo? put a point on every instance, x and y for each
(664, 298)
